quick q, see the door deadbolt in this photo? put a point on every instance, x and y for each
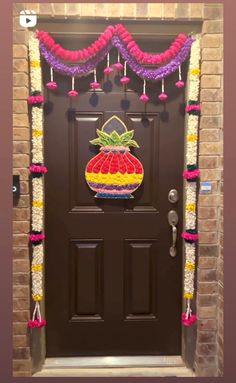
(173, 196)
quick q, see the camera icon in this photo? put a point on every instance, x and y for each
(28, 19)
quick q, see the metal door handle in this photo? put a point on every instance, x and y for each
(173, 220)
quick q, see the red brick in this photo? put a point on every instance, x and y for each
(207, 212)
(207, 287)
(22, 365)
(20, 341)
(207, 324)
(207, 312)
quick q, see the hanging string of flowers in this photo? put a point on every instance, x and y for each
(37, 170)
(104, 39)
(191, 174)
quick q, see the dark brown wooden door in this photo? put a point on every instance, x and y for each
(111, 286)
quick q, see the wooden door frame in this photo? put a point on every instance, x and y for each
(153, 29)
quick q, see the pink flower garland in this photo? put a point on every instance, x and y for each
(104, 39)
(190, 236)
(191, 174)
(36, 237)
(38, 169)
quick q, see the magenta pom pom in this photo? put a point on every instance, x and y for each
(189, 236)
(119, 66)
(188, 320)
(72, 93)
(163, 96)
(191, 174)
(51, 85)
(108, 70)
(36, 323)
(144, 98)
(125, 80)
(94, 85)
(179, 84)
(37, 99)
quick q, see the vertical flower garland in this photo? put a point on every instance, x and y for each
(191, 175)
(37, 170)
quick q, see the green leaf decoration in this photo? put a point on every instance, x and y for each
(105, 139)
(127, 136)
(133, 143)
(96, 141)
(115, 138)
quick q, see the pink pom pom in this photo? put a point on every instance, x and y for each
(188, 321)
(163, 96)
(108, 70)
(94, 85)
(125, 80)
(41, 323)
(119, 66)
(32, 323)
(51, 85)
(144, 98)
(72, 93)
(179, 84)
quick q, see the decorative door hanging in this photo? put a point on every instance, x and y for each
(81, 63)
(114, 172)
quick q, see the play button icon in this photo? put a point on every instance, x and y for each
(28, 19)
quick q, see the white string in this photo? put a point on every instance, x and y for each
(51, 73)
(189, 311)
(180, 77)
(144, 86)
(95, 75)
(108, 59)
(125, 68)
(35, 309)
(39, 313)
(73, 83)
(162, 86)
(118, 57)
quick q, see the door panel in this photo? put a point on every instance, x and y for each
(111, 286)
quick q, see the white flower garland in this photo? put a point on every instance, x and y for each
(191, 186)
(37, 213)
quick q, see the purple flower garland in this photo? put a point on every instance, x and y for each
(139, 69)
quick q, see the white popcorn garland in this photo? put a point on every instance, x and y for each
(191, 186)
(37, 169)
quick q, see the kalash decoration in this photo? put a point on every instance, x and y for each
(114, 172)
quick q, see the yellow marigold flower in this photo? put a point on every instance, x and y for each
(192, 137)
(195, 71)
(188, 295)
(37, 203)
(190, 266)
(37, 297)
(37, 132)
(35, 63)
(37, 267)
(191, 207)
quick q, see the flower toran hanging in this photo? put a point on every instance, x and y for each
(114, 165)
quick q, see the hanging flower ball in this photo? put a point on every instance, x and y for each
(144, 98)
(163, 96)
(188, 320)
(179, 84)
(94, 84)
(72, 93)
(108, 70)
(119, 66)
(125, 80)
(36, 98)
(36, 323)
(51, 85)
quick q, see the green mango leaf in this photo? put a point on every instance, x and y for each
(127, 136)
(102, 134)
(133, 143)
(115, 138)
(96, 141)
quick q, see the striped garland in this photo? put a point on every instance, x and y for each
(37, 170)
(191, 174)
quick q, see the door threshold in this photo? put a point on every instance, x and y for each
(115, 366)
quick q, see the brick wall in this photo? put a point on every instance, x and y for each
(209, 348)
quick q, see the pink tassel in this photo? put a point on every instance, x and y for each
(125, 80)
(188, 320)
(51, 85)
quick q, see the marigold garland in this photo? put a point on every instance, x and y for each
(191, 174)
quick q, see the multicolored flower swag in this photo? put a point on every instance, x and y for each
(82, 62)
(37, 170)
(190, 235)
